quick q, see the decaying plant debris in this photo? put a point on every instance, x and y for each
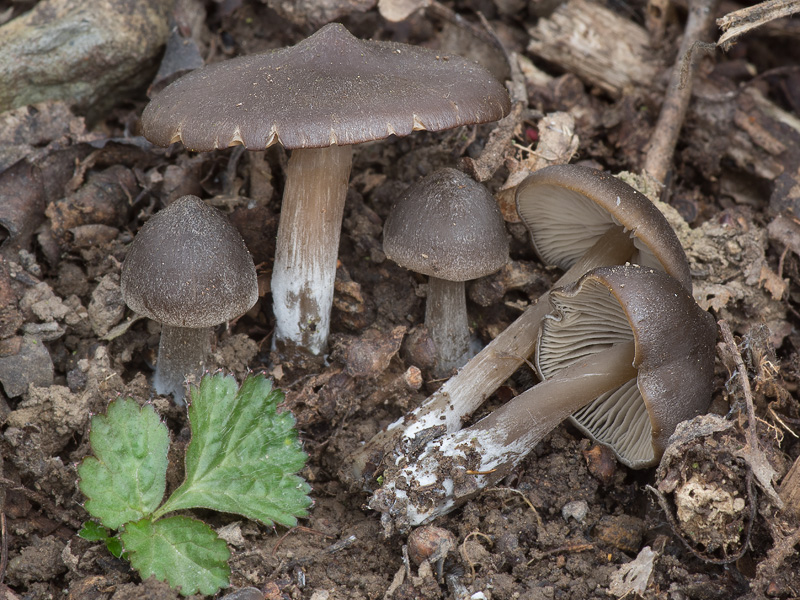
(718, 519)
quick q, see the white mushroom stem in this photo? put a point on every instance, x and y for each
(455, 467)
(463, 393)
(308, 246)
(182, 353)
(446, 320)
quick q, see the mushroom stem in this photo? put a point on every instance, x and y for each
(308, 246)
(483, 374)
(457, 466)
(182, 352)
(446, 320)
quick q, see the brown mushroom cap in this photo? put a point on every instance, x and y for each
(331, 88)
(567, 208)
(674, 354)
(189, 267)
(448, 226)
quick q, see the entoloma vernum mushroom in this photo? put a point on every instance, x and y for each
(318, 97)
(608, 223)
(189, 269)
(625, 350)
(447, 226)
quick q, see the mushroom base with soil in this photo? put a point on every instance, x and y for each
(625, 353)
(182, 353)
(457, 466)
(463, 393)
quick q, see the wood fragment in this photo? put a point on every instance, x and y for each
(601, 47)
(752, 452)
(679, 92)
(738, 22)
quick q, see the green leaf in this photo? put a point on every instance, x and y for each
(127, 479)
(93, 532)
(184, 552)
(244, 453)
(114, 546)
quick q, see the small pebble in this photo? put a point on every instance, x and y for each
(601, 463)
(577, 509)
(430, 543)
(413, 378)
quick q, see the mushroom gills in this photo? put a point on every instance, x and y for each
(561, 241)
(586, 325)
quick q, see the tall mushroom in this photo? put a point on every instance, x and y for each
(608, 223)
(318, 97)
(625, 350)
(189, 269)
(447, 226)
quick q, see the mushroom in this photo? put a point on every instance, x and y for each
(189, 269)
(606, 222)
(626, 351)
(318, 97)
(447, 226)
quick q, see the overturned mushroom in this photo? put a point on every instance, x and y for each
(318, 97)
(605, 222)
(448, 227)
(625, 350)
(189, 269)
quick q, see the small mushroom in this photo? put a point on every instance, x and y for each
(447, 226)
(626, 351)
(189, 269)
(317, 98)
(604, 222)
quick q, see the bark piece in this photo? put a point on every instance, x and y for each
(597, 44)
(22, 201)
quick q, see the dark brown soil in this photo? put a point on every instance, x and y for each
(569, 522)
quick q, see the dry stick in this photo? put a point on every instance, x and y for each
(741, 373)
(679, 91)
(741, 21)
(752, 453)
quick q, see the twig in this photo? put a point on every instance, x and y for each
(483, 33)
(782, 548)
(752, 453)
(744, 382)
(679, 91)
(299, 528)
(741, 21)
(569, 547)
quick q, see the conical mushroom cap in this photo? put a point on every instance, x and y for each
(674, 355)
(331, 88)
(446, 225)
(189, 267)
(566, 209)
